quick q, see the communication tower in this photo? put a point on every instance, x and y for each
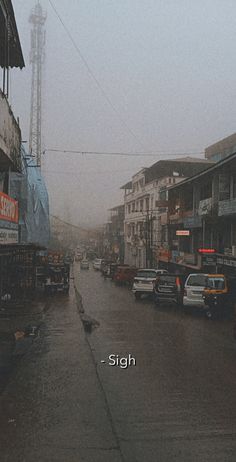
(37, 56)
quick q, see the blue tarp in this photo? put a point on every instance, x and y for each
(29, 189)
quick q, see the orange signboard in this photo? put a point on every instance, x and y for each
(164, 254)
(8, 208)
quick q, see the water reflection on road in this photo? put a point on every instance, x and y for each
(179, 401)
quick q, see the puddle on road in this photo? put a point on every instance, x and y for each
(13, 346)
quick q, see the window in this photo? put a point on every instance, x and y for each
(206, 191)
(141, 205)
(216, 283)
(147, 203)
(224, 187)
(197, 280)
(163, 194)
(129, 208)
(133, 206)
(146, 274)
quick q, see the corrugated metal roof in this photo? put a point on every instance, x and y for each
(10, 48)
(208, 170)
(127, 185)
(185, 167)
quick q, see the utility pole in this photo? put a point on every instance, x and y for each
(149, 239)
(37, 56)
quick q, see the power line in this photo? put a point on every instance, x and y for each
(67, 223)
(94, 77)
(125, 154)
(98, 172)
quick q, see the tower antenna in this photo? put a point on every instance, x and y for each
(37, 57)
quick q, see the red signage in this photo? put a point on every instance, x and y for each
(183, 232)
(8, 208)
(206, 250)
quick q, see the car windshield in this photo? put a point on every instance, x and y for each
(146, 274)
(197, 280)
(169, 279)
(217, 283)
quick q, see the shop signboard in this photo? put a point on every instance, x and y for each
(8, 208)
(209, 260)
(182, 232)
(193, 222)
(8, 236)
(164, 254)
(226, 261)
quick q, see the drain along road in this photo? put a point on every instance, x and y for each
(65, 403)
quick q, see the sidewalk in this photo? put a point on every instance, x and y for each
(53, 409)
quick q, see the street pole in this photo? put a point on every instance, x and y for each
(147, 239)
(151, 241)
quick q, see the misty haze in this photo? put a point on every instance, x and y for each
(117, 231)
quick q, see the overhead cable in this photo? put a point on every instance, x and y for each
(107, 98)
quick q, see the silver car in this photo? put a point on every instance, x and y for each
(193, 290)
(144, 281)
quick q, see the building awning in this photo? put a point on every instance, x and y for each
(10, 48)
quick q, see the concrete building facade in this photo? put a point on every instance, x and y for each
(144, 200)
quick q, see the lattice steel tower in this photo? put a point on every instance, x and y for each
(37, 57)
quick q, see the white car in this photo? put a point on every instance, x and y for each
(97, 264)
(193, 290)
(84, 264)
(144, 281)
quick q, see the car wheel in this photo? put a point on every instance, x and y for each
(137, 295)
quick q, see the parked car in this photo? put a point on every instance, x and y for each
(124, 275)
(144, 282)
(193, 290)
(169, 288)
(84, 264)
(108, 270)
(97, 264)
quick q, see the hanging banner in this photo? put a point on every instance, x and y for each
(8, 208)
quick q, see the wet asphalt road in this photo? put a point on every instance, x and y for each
(179, 402)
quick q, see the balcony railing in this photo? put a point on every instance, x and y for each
(227, 207)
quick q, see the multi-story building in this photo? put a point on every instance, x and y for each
(114, 234)
(221, 149)
(202, 215)
(145, 200)
(10, 133)
(23, 196)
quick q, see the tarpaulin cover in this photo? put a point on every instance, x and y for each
(29, 189)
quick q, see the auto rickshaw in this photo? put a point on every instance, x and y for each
(57, 278)
(216, 295)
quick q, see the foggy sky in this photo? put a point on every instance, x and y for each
(168, 66)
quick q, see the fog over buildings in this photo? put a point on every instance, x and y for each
(168, 70)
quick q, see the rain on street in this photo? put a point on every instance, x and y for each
(64, 402)
(117, 181)
(179, 401)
